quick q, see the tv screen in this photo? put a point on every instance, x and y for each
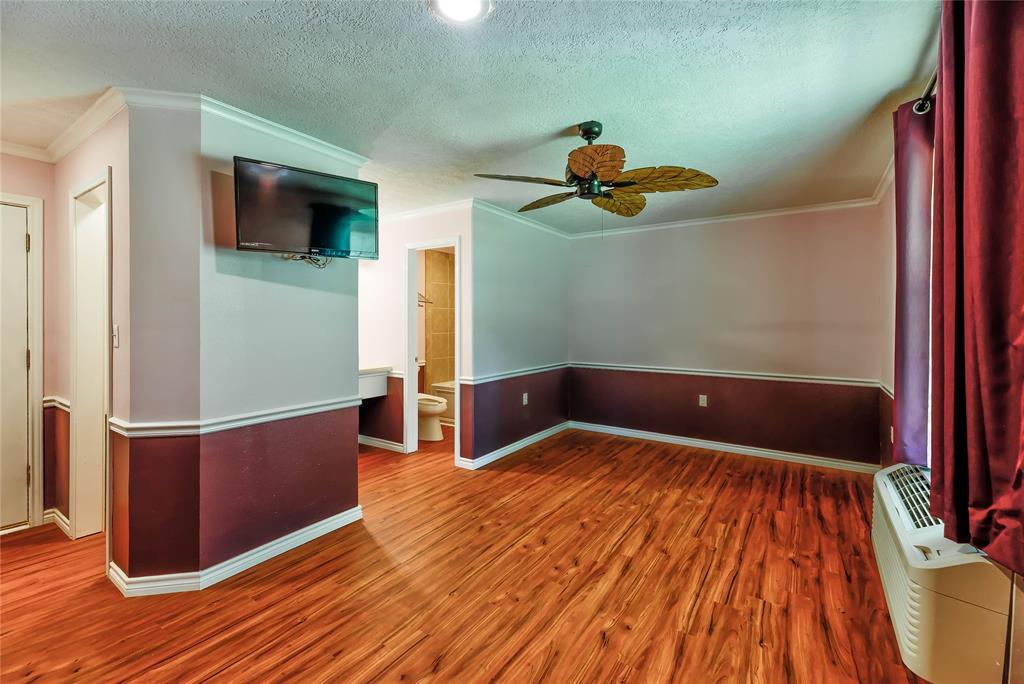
(283, 209)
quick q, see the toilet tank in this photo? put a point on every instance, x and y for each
(446, 390)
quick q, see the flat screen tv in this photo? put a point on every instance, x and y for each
(295, 211)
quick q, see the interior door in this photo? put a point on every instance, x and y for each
(14, 452)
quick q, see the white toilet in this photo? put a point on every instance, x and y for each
(430, 410)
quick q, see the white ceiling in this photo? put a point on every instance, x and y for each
(787, 104)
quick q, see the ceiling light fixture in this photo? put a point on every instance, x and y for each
(461, 11)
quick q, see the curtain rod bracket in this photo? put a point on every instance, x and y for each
(924, 103)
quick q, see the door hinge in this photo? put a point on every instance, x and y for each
(28, 242)
(28, 359)
(28, 474)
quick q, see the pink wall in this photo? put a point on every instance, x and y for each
(89, 161)
(21, 176)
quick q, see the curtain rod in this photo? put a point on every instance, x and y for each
(924, 103)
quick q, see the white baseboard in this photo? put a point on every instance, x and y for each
(806, 459)
(382, 443)
(474, 463)
(52, 515)
(194, 581)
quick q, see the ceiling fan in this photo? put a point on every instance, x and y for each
(595, 173)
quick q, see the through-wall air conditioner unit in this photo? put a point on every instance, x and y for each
(948, 602)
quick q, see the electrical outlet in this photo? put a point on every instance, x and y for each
(526, 398)
(892, 435)
(702, 400)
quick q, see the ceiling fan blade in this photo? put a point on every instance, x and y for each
(662, 179)
(627, 204)
(549, 200)
(603, 161)
(525, 179)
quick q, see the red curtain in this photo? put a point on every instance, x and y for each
(914, 136)
(978, 279)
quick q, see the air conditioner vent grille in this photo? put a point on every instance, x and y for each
(914, 491)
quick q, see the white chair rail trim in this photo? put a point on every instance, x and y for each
(201, 427)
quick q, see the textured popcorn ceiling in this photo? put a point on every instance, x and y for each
(788, 104)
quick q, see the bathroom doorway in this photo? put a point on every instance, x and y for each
(433, 347)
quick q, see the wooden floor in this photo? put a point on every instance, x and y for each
(585, 558)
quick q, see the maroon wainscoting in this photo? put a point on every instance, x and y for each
(120, 456)
(885, 409)
(496, 415)
(383, 417)
(261, 482)
(182, 504)
(56, 458)
(465, 420)
(155, 509)
(836, 421)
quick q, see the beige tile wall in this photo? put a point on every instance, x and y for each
(440, 318)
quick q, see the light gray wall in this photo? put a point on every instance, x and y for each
(274, 333)
(794, 294)
(164, 246)
(520, 294)
(887, 226)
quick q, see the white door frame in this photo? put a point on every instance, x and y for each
(72, 459)
(410, 389)
(34, 206)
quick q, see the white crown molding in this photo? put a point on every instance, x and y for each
(729, 218)
(280, 131)
(53, 515)
(114, 99)
(202, 427)
(57, 402)
(428, 211)
(880, 187)
(518, 218)
(772, 454)
(381, 443)
(888, 390)
(105, 108)
(476, 463)
(490, 377)
(194, 581)
(743, 375)
(160, 99)
(26, 151)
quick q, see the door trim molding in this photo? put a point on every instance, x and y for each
(95, 182)
(34, 206)
(410, 411)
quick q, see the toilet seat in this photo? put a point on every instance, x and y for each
(429, 399)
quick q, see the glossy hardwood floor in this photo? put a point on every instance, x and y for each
(585, 558)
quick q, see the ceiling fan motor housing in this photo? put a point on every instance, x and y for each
(589, 189)
(590, 131)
